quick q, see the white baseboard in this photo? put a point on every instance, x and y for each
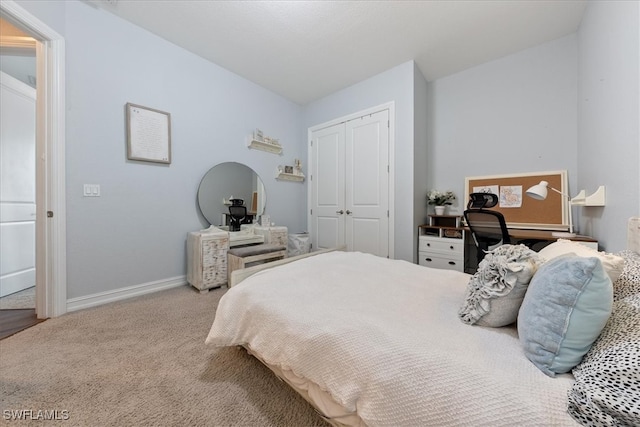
(94, 300)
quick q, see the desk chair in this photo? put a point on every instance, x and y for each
(236, 214)
(488, 228)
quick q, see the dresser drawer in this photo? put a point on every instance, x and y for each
(441, 245)
(428, 259)
(279, 238)
(215, 244)
(214, 275)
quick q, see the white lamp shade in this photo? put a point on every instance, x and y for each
(538, 191)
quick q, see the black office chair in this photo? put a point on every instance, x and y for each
(488, 228)
(237, 213)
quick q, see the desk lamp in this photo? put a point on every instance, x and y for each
(539, 192)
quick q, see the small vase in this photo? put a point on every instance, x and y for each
(440, 210)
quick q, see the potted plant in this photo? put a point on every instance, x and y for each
(440, 200)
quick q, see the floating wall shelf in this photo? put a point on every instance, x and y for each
(265, 146)
(596, 199)
(290, 177)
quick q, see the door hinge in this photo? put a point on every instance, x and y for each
(387, 214)
(311, 212)
(311, 142)
(388, 125)
(49, 214)
(311, 177)
(388, 169)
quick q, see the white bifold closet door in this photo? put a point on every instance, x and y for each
(350, 185)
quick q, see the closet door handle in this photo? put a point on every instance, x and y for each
(349, 212)
(340, 212)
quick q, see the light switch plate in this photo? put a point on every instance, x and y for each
(91, 190)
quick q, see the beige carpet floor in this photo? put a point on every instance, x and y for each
(19, 300)
(142, 362)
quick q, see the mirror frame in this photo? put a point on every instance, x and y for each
(234, 178)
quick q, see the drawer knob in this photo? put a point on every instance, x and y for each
(451, 247)
(452, 263)
(428, 244)
(428, 259)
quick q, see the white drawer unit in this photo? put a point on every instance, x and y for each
(441, 252)
(207, 259)
(441, 243)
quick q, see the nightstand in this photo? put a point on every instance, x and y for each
(441, 243)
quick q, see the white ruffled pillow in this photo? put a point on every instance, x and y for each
(612, 264)
(495, 292)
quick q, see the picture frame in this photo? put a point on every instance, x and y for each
(288, 169)
(148, 134)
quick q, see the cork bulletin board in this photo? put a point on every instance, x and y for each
(520, 210)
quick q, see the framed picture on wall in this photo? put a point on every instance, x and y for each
(148, 134)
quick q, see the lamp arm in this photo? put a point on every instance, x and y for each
(568, 207)
(560, 192)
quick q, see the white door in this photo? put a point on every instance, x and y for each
(327, 187)
(350, 185)
(367, 184)
(17, 185)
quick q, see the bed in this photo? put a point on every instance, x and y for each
(377, 342)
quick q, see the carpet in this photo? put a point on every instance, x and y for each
(141, 362)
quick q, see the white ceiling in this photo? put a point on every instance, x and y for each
(305, 50)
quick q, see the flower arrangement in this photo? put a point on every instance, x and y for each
(438, 198)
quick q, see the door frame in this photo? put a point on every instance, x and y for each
(392, 118)
(51, 270)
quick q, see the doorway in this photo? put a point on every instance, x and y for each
(351, 176)
(50, 237)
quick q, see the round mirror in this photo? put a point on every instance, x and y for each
(227, 183)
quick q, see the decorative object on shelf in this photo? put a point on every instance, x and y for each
(291, 173)
(265, 143)
(265, 220)
(440, 200)
(539, 192)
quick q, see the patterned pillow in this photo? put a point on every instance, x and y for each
(607, 387)
(495, 292)
(629, 281)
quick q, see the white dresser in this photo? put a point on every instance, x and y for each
(441, 243)
(207, 258)
(277, 235)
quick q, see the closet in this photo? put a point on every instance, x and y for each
(349, 177)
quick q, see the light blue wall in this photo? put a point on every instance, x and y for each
(513, 115)
(421, 171)
(609, 117)
(516, 114)
(135, 233)
(397, 85)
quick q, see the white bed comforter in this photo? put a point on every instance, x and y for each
(382, 337)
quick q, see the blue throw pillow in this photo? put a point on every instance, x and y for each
(566, 307)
